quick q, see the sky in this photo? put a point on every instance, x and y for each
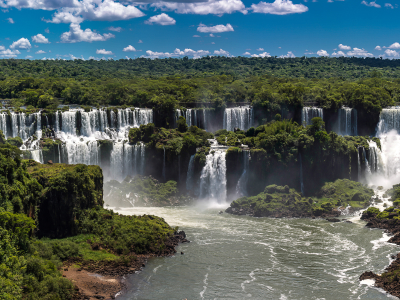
(108, 29)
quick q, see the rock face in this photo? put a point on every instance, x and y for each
(68, 189)
(389, 219)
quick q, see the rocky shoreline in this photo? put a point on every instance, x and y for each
(390, 279)
(105, 279)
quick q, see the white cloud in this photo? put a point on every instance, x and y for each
(247, 53)
(117, 29)
(279, 7)
(161, 19)
(344, 47)
(264, 54)
(260, 49)
(130, 48)
(379, 48)
(2, 48)
(10, 20)
(288, 55)
(140, 42)
(40, 52)
(372, 4)
(22, 43)
(28, 57)
(394, 46)
(322, 53)
(215, 7)
(388, 5)
(47, 30)
(94, 10)
(359, 53)
(76, 34)
(339, 53)
(222, 52)
(40, 39)
(215, 29)
(9, 53)
(104, 52)
(196, 36)
(391, 53)
(177, 52)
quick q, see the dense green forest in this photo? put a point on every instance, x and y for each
(269, 82)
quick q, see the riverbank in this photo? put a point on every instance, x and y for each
(388, 220)
(105, 279)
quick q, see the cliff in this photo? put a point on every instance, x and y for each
(67, 191)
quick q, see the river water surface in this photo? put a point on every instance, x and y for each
(241, 257)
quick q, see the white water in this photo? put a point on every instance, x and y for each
(238, 117)
(241, 187)
(213, 175)
(347, 121)
(308, 113)
(189, 114)
(190, 174)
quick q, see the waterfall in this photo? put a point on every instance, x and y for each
(241, 186)
(308, 113)
(347, 121)
(127, 160)
(163, 169)
(213, 175)
(358, 165)
(301, 175)
(367, 167)
(189, 177)
(3, 123)
(238, 117)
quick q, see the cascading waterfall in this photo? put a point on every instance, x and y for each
(238, 117)
(301, 175)
(189, 114)
(347, 121)
(241, 187)
(358, 164)
(190, 174)
(213, 175)
(3, 123)
(163, 168)
(308, 113)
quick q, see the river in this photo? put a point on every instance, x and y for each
(241, 257)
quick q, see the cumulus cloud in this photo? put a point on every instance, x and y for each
(76, 34)
(161, 19)
(40, 39)
(379, 48)
(177, 52)
(28, 57)
(391, 53)
(100, 10)
(104, 52)
(344, 47)
(40, 52)
(264, 54)
(7, 53)
(322, 53)
(130, 48)
(22, 43)
(117, 29)
(215, 29)
(372, 4)
(394, 46)
(359, 53)
(339, 53)
(10, 20)
(140, 42)
(388, 5)
(288, 55)
(214, 7)
(222, 52)
(279, 7)
(260, 49)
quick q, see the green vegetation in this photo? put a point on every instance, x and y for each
(283, 201)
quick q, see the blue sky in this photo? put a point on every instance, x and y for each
(102, 29)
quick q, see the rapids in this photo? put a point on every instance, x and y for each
(233, 257)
